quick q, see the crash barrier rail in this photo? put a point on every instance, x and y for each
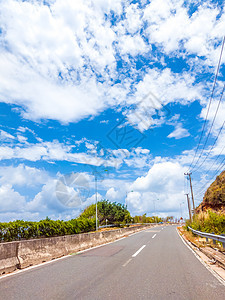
(212, 236)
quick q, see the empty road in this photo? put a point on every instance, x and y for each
(152, 264)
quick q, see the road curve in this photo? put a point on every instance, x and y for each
(152, 264)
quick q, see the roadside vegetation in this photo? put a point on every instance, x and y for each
(19, 230)
(108, 212)
(208, 221)
(210, 216)
(144, 219)
(114, 213)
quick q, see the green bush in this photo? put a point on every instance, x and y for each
(115, 213)
(19, 230)
(208, 222)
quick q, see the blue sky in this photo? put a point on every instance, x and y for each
(123, 86)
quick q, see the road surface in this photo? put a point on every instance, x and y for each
(152, 264)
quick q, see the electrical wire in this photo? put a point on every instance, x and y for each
(222, 164)
(221, 128)
(216, 158)
(210, 101)
(210, 130)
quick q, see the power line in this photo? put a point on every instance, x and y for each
(211, 130)
(202, 188)
(221, 128)
(216, 158)
(214, 84)
(222, 164)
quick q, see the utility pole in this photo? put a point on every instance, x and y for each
(189, 207)
(192, 195)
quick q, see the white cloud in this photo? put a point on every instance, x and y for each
(112, 194)
(46, 201)
(92, 199)
(22, 175)
(6, 136)
(95, 154)
(10, 200)
(157, 89)
(132, 45)
(46, 70)
(52, 57)
(179, 132)
(172, 27)
(163, 184)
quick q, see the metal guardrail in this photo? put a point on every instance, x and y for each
(214, 237)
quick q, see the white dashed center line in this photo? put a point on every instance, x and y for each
(126, 263)
(136, 253)
(153, 236)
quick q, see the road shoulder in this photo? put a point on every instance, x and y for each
(210, 264)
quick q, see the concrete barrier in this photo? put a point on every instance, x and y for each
(8, 257)
(23, 254)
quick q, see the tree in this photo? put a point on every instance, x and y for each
(112, 211)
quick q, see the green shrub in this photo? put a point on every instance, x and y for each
(19, 230)
(208, 222)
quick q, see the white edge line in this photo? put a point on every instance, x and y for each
(17, 272)
(221, 280)
(139, 250)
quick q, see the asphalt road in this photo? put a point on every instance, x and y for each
(152, 264)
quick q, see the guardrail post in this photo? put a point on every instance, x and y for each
(222, 242)
(214, 242)
(207, 240)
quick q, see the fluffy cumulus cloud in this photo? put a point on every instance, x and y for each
(48, 55)
(197, 33)
(10, 200)
(112, 194)
(160, 190)
(15, 184)
(51, 53)
(22, 175)
(58, 197)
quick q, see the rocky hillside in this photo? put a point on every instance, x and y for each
(214, 197)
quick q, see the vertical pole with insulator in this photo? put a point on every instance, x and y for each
(189, 207)
(192, 194)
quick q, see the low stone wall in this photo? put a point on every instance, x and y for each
(22, 254)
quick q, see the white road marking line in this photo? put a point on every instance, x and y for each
(126, 263)
(154, 236)
(136, 253)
